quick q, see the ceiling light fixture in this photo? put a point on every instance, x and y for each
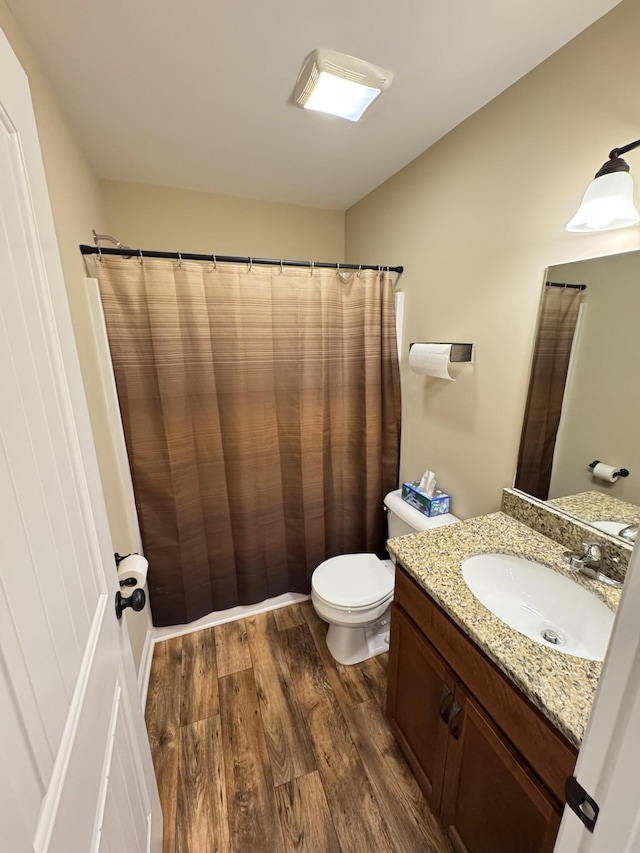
(342, 85)
(608, 201)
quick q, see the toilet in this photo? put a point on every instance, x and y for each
(353, 592)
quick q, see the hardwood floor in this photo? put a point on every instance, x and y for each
(261, 741)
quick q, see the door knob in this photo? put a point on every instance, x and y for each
(136, 601)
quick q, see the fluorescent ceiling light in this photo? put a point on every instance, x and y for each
(340, 97)
(608, 201)
(342, 85)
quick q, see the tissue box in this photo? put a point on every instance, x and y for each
(436, 504)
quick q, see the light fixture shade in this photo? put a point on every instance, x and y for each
(607, 204)
(339, 84)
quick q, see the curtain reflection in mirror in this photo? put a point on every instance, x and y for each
(556, 329)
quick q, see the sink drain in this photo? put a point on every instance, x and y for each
(551, 636)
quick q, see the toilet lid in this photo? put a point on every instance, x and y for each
(353, 580)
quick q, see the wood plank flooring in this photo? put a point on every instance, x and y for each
(261, 741)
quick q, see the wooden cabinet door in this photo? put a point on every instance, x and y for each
(419, 697)
(490, 803)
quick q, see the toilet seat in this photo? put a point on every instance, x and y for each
(353, 582)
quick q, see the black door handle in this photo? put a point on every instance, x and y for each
(455, 730)
(443, 705)
(136, 601)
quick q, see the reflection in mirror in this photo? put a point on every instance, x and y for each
(595, 413)
(557, 322)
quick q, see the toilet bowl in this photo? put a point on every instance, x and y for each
(353, 592)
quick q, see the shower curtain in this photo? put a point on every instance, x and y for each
(556, 328)
(261, 410)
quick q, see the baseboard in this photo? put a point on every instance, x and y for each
(144, 671)
(219, 617)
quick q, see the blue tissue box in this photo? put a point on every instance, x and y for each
(436, 504)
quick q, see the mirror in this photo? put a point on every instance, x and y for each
(600, 407)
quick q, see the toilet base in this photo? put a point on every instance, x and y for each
(350, 645)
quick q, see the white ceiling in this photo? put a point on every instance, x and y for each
(196, 93)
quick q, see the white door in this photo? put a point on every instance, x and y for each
(609, 759)
(75, 766)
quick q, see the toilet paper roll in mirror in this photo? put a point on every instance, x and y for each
(609, 473)
(134, 566)
(431, 360)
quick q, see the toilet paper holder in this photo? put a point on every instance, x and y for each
(621, 472)
(119, 558)
(137, 600)
(459, 352)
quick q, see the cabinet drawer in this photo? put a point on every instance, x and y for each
(547, 752)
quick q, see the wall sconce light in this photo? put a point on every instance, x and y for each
(332, 82)
(608, 201)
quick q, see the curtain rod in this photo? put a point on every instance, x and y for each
(566, 286)
(231, 259)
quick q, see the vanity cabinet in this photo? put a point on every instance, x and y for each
(488, 761)
(419, 697)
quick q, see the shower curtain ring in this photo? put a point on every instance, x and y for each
(99, 254)
(359, 270)
(281, 267)
(250, 264)
(215, 263)
(179, 259)
(140, 256)
(311, 265)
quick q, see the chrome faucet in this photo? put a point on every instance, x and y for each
(630, 533)
(589, 563)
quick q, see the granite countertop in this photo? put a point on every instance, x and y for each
(595, 506)
(561, 686)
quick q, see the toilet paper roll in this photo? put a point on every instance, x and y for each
(133, 566)
(609, 473)
(431, 360)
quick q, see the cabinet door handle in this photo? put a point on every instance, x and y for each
(457, 729)
(444, 706)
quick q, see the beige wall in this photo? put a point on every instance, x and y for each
(601, 408)
(163, 218)
(475, 220)
(76, 202)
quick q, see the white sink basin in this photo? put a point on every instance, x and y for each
(541, 604)
(613, 527)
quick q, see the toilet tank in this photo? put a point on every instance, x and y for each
(403, 519)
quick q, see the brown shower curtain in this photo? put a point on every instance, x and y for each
(556, 327)
(261, 409)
